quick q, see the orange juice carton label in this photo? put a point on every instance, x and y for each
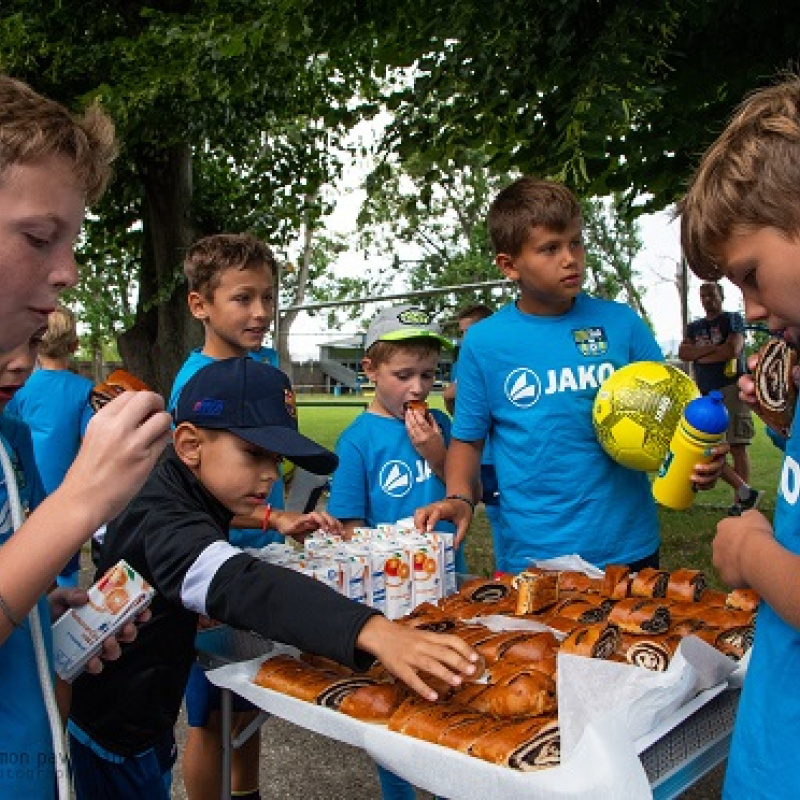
(114, 600)
(448, 559)
(387, 527)
(363, 534)
(396, 562)
(426, 574)
(376, 589)
(352, 576)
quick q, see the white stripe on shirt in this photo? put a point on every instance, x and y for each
(194, 590)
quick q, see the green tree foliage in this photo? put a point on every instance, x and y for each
(607, 95)
(229, 115)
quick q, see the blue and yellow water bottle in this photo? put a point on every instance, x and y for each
(702, 426)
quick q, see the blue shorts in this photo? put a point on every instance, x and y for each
(148, 775)
(202, 697)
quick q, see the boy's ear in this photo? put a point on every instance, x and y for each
(186, 439)
(197, 306)
(369, 368)
(505, 263)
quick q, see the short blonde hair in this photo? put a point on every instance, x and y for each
(33, 127)
(748, 179)
(60, 340)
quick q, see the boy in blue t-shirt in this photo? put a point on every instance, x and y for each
(54, 403)
(741, 220)
(528, 376)
(231, 281)
(391, 458)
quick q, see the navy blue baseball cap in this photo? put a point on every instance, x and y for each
(254, 402)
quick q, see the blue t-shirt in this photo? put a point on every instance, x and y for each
(54, 403)
(241, 537)
(26, 748)
(764, 754)
(382, 478)
(530, 382)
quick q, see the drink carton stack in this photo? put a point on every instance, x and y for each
(392, 568)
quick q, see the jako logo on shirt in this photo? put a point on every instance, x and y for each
(523, 387)
(396, 478)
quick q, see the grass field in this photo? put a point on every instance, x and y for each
(686, 535)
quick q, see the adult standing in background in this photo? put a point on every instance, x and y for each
(715, 347)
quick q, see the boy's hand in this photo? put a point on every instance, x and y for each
(62, 599)
(705, 476)
(456, 511)
(407, 652)
(737, 541)
(426, 437)
(121, 446)
(298, 526)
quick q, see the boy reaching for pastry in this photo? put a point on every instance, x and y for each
(235, 419)
(741, 220)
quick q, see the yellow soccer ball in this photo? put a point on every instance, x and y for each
(637, 409)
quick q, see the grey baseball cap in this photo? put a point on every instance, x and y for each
(398, 323)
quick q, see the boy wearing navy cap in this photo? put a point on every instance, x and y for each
(235, 420)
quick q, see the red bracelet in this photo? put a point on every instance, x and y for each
(267, 515)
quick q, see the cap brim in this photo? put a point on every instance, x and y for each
(415, 333)
(304, 452)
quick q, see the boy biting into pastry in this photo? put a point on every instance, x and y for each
(741, 220)
(235, 420)
(391, 458)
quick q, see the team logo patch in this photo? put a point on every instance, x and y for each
(208, 407)
(396, 479)
(523, 387)
(414, 316)
(590, 341)
(290, 403)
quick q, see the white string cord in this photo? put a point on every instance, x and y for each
(42, 664)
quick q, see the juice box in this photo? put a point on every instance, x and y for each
(115, 599)
(395, 559)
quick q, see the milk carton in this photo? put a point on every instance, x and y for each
(115, 599)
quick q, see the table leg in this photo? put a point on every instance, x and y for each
(225, 714)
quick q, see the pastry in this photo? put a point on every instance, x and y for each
(616, 581)
(651, 652)
(460, 734)
(649, 582)
(535, 591)
(375, 703)
(575, 581)
(640, 615)
(525, 692)
(686, 585)
(743, 600)
(117, 382)
(420, 406)
(594, 641)
(505, 743)
(775, 389)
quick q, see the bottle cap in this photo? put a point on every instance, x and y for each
(707, 413)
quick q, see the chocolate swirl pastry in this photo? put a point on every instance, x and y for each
(525, 745)
(650, 582)
(735, 642)
(594, 641)
(686, 585)
(653, 653)
(775, 389)
(640, 615)
(535, 591)
(118, 381)
(332, 696)
(419, 406)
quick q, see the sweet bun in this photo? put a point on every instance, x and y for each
(775, 389)
(116, 383)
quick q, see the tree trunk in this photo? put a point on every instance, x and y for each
(159, 341)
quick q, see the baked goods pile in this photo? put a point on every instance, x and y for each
(508, 715)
